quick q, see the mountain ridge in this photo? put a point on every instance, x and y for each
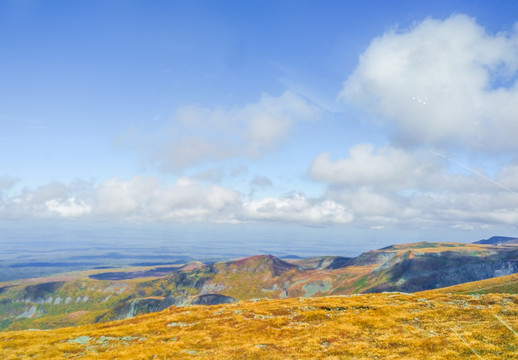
(409, 267)
(497, 240)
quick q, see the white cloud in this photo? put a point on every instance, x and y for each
(297, 209)
(385, 167)
(148, 199)
(393, 187)
(199, 134)
(442, 83)
(49, 201)
(139, 199)
(269, 121)
(426, 196)
(68, 208)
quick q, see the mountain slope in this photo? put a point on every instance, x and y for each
(499, 285)
(388, 326)
(498, 240)
(413, 267)
(418, 272)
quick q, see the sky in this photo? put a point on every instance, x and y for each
(373, 117)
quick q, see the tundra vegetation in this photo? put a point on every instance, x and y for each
(368, 326)
(406, 301)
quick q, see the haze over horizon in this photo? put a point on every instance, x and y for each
(327, 123)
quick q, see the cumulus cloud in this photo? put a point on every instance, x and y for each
(199, 134)
(394, 187)
(149, 200)
(297, 209)
(67, 208)
(139, 199)
(442, 82)
(269, 121)
(428, 197)
(6, 183)
(49, 201)
(385, 167)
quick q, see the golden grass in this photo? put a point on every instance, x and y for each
(382, 326)
(501, 284)
(433, 247)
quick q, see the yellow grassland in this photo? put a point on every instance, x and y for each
(435, 247)
(501, 284)
(370, 326)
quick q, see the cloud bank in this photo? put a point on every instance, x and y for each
(423, 195)
(149, 199)
(441, 83)
(392, 187)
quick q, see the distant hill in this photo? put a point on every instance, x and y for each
(259, 264)
(106, 295)
(498, 240)
(423, 266)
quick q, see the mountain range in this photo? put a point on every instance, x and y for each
(102, 295)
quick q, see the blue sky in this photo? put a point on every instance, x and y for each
(370, 116)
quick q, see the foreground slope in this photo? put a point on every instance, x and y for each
(371, 326)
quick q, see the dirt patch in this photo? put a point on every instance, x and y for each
(77, 314)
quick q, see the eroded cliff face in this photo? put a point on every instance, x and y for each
(129, 308)
(425, 271)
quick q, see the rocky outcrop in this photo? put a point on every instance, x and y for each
(260, 263)
(40, 291)
(132, 307)
(435, 270)
(323, 262)
(213, 299)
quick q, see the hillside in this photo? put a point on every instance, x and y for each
(423, 266)
(498, 240)
(107, 295)
(373, 326)
(499, 285)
